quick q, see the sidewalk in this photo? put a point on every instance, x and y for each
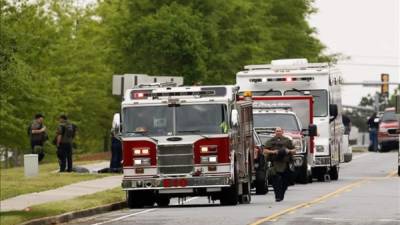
(63, 193)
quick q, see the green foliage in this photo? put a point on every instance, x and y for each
(57, 57)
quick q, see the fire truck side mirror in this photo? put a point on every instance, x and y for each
(312, 130)
(234, 118)
(116, 124)
(333, 112)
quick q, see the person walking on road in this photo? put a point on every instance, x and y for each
(38, 136)
(64, 138)
(373, 126)
(279, 150)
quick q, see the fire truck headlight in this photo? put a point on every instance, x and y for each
(142, 162)
(212, 159)
(208, 159)
(320, 148)
(298, 145)
(204, 149)
(141, 151)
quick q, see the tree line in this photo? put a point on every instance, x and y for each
(59, 57)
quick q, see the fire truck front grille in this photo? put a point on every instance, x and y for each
(175, 159)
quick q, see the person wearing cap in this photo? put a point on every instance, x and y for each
(37, 135)
(64, 144)
(279, 150)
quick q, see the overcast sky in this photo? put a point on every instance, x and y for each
(368, 32)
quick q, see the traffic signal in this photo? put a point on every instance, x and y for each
(385, 87)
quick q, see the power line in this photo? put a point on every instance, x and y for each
(369, 64)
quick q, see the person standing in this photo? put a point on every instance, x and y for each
(64, 138)
(116, 153)
(279, 150)
(373, 126)
(38, 136)
(346, 123)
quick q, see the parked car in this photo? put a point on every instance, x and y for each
(387, 134)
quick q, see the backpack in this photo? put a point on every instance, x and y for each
(69, 131)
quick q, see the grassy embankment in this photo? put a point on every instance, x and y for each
(60, 207)
(14, 183)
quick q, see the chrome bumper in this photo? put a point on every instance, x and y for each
(175, 183)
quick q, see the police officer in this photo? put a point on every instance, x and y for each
(64, 145)
(37, 134)
(279, 150)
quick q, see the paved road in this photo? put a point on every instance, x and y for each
(368, 192)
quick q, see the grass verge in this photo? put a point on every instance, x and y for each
(359, 149)
(60, 207)
(14, 183)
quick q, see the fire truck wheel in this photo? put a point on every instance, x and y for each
(163, 201)
(334, 173)
(303, 175)
(398, 170)
(261, 182)
(245, 198)
(134, 199)
(229, 195)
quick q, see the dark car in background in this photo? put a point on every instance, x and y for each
(387, 134)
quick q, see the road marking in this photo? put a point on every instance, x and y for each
(309, 203)
(321, 199)
(124, 217)
(134, 214)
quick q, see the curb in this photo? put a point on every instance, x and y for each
(66, 217)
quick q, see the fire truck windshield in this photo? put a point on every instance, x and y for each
(189, 119)
(285, 121)
(320, 100)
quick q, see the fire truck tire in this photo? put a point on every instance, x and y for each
(134, 199)
(303, 175)
(334, 173)
(245, 198)
(261, 182)
(163, 201)
(229, 195)
(398, 170)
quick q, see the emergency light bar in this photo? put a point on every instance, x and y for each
(263, 105)
(169, 92)
(280, 79)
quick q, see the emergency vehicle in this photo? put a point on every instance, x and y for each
(294, 114)
(186, 141)
(319, 80)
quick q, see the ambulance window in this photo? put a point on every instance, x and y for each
(320, 100)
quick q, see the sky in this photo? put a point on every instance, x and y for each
(367, 31)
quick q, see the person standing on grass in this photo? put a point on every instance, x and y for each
(65, 135)
(37, 135)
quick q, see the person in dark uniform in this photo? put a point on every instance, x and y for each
(38, 136)
(347, 124)
(64, 139)
(373, 126)
(279, 150)
(116, 153)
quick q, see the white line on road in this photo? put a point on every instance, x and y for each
(124, 217)
(134, 214)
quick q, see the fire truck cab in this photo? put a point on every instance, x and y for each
(186, 141)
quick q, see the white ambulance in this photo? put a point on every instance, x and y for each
(320, 80)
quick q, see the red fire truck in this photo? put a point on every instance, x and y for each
(186, 141)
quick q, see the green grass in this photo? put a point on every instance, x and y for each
(60, 207)
(13, 181)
